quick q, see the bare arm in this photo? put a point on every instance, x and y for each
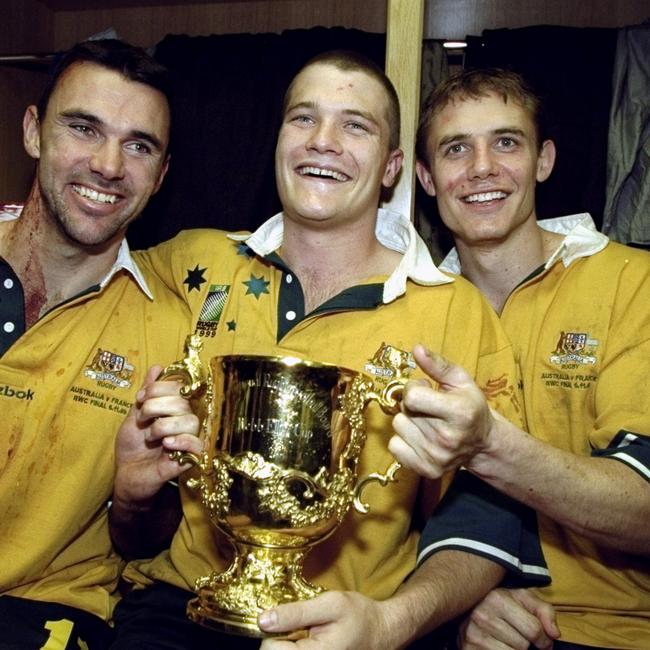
(599, 498)
(146, 509)
(443, 587)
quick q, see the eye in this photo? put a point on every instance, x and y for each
(82, 129)
(455, 149)
(302, 119)
(138, 147)
(507, 142)
(356, 126)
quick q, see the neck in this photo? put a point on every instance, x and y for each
(51, 267)
(328, 261)
(496, 268)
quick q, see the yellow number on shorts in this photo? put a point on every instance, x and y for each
(60, 632)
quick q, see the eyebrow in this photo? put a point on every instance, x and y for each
(93, 119)
(506, 130)
(346, 111)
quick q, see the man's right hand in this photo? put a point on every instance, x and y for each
(160, 421)
(509, 618)
(440, 429)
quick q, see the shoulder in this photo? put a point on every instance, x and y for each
(191, 244)
(616, 260)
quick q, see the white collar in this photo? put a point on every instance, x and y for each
(124, 260)
(393, 230)
(582, 239)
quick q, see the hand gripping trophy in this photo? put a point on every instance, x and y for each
(279, 473)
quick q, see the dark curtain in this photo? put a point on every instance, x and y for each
(226, 108)
(572, 69)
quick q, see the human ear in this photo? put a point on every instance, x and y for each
(32, 132)
(545, 160)
(426, 180)
(393, 165)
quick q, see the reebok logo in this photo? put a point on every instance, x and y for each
(8, 391)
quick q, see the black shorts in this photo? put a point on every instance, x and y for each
(154, 619)
(40, 625)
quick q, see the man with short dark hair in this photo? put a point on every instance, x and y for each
(575, 307)
(329, 279)
(80, 328)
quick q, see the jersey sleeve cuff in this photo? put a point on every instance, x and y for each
(633, 449)
(476, 518)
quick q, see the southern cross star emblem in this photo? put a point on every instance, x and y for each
(195, 278)
(232, 325)
(257, 286)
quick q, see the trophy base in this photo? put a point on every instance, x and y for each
(226, 622)
(258, 579)
(210, 616)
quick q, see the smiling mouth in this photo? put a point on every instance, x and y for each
(94, 195)
(320, 172)
(484, 197)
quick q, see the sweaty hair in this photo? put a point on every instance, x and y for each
(130, 61)
(350, 61)
(476, 84)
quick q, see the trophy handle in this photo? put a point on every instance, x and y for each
(389, 399)
(390, 396)
(383, 479)
(195, 380)
(185, 457)
(189, 369)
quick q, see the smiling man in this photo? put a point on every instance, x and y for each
(575, 306)
(80, 327)
(330, 279)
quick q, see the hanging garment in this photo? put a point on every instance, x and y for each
(627, 209)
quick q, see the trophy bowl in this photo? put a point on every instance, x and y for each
(279, 473)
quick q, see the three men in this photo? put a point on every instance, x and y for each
(575, 307)
(329, 279)
(80, 329)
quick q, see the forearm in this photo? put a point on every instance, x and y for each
(444, 586)
(142, 529)
(599, 498)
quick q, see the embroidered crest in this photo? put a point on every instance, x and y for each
(110, 366)
(574, 347)
(212, 309)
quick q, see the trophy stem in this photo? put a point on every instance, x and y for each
(259, 578)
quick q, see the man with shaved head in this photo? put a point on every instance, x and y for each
(329, 279)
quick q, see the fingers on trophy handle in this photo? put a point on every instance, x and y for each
(383, 479)
(189, 369)
(195, 380)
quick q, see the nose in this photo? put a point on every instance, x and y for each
(483, 163)
(324, 137)
(108, 160)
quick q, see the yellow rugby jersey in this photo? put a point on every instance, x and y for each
(581, 331)
(66, 385)
(246, 301)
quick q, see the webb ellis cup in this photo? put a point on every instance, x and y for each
(283, 439)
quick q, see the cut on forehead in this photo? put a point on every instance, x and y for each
(349, 61)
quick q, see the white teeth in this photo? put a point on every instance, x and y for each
(485, 196)
(94, 195)
(318, 171)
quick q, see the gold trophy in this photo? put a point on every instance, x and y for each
(280, 469)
